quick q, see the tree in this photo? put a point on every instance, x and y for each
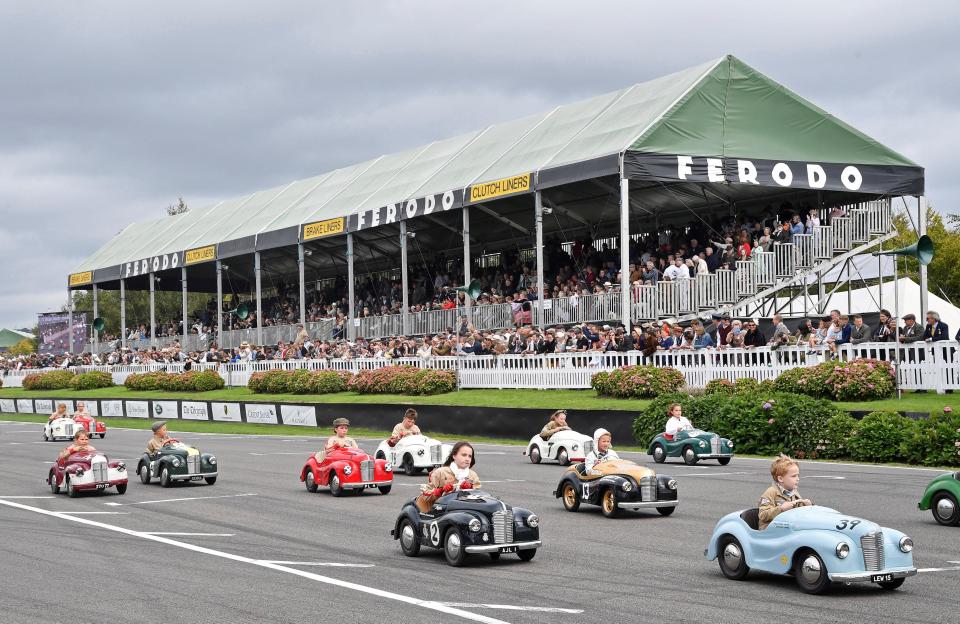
(942, 277)
(180, 208)
(24, 347)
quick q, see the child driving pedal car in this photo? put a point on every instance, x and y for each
(602, 451)
(408, 426)
(456, 473)
(783, 494)
(557, 422)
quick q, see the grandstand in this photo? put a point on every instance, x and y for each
(679, 154)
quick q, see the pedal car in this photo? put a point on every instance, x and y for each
(563, 447)
(59, 429)
(177, 462)
(467, 522)
(693, 445)
(86, 470)
(941, 498)
(93, 426)
(622, 484)
(818, 545)
(413, 453)
(347, 469)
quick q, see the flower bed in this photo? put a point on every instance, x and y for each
(856, 380)
(300, 381)
(92, 380)
(190, 381)
(403, 380)
(638, 382)
(50, 380)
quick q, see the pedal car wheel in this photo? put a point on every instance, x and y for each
(534, 454)
(571, 497)
(121, 488)
(891, 585)
(71, 491)
(45, 439)
(945, 510)
(659, 453)
(407, 465)
(608, 503)
(811, 572)
(385, 489)
(103, 435)
(689, 455)
(145, 474)
(723, 461)
(408, 539)
(310, 481)
(526, 555)
(733, 563)
(453, 548)
(381, 455)
(54, 488)
(562, 457)
(665, 511)
(165, 477)
(335, 488)
(210, 480)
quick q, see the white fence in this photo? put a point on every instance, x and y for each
(920, 366)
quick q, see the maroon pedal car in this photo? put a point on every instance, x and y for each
(87, 471)
(347, 469)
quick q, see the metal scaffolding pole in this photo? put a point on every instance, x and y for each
(153, 311)
(351, 330)
(96, 315)
(467, 302)
(123, 313)
(69, 321)
(405, 311)
(183, 305)
(625, 253)
(219, 301)
(303, 287)
(538, 222)
(256, 270)
(921, 230)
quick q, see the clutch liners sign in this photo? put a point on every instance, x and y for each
(200, 254)
(499, 188)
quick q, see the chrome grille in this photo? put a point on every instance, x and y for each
(435, 454)
(99, 470)
(193, 464)
(587, 447)
(366, 470)
(872, 545)
(648, 489)
(715, 445)
(503, 527)
(68, 430)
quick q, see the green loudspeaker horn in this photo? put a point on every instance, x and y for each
(473, 290)
(923, 250)
(242, 311)
(99, 324)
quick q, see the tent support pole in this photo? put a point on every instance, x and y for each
(880, 273)
(183, 305)
(123, 313)
(257, 285)
(896, 322)
(467, 302)
(404, 284)
(96, 314)
(350, 304)
(153, 310)
(625, 253)
(303, 287)
(219, 302)
(921, 230)
(69, 320)
(538, 224)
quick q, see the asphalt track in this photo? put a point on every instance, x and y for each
(98, 558)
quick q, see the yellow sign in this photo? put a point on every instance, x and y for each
(319, 229)
(498, 188)
(79, 279)
(200, 254)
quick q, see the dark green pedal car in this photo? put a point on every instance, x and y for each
(692, 445)
(177, 462)
(941, 498)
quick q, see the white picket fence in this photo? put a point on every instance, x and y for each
(920, 366)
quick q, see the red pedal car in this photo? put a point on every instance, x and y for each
(93, 426)
(345, 469)
(87, 470)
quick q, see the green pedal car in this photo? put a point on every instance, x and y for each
(941, 498)
(692, 445)
(176, 461)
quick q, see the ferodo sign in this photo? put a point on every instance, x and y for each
(410, 209)
(849, 177)
(151, 265)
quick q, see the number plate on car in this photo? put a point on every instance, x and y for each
(508, 549)
(196, 478)
(879, 578)
(101, 486)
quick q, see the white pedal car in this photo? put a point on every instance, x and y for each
(414, 453)
(563, 447)
(60, 429)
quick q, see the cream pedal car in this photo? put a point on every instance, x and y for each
(60, 429)
(563, 447)
(414, 453)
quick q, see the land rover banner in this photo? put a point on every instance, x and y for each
(849, 177)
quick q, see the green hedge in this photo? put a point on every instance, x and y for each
(91, 380)
(190, 381)
(403, 380)
(50, 380)
(299, 381)
(856, 380)
(638, 382)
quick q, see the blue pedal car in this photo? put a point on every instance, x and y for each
(817, 545)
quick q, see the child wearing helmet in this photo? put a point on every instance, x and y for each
(602, 451)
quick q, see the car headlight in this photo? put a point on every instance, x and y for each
(626, 486)
(388, 467)
(176, 462)
(533, 521)
(703, 444)
(906, 544)
(473, 525)
(672, 484)
(574, 447)
(730, 443)
(213, 460)
(843, 549)
(347, 470)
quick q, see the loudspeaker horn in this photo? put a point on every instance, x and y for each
(473, 290)
(99, 324)
(242, 311)
(923, 250)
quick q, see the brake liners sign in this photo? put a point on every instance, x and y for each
(319, 229)
(79, 279)
(200, 254)
(499, 188)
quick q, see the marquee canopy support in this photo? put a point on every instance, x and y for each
(303, 288)
(183, 306)
(69, 320)
(405, 312)
(538, 224)
(256, 270)
(467, 303)
(153, 310)
(625, 254)
(351, 331)
(123, 313)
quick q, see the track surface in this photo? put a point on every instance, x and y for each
(101, 567)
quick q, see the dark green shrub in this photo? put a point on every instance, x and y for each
(880, 436)
(841, 429)
(190, 381)
(50, 380)
(640, 382)
(653, 417)
(206, 380)
(403, 380)
(719, 386)
(91, 380)
(856, 380)
(934, 441)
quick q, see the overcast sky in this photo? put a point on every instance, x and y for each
(111, 110)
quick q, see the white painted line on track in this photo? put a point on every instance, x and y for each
(491, 452)
(290, 453)
(28, 496)
(24, 430)
(191, 534)
(469, 605)
(714, 474)
(94, 513)
(14, 443)
(426, 604)
(824, 477)
(326, 564)
(177, 500)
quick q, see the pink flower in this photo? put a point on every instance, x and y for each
(947, 409)
(771, 421)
